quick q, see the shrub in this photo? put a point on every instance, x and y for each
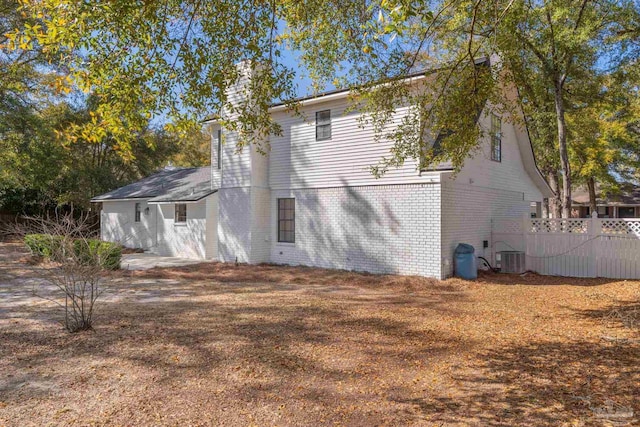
(98, 253)
(44, 245)
(110, 255)
(86, 252)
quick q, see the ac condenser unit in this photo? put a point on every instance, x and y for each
(511, 262)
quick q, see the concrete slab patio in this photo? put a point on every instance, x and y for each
(146, 261)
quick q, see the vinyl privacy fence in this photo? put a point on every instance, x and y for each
(586, 247)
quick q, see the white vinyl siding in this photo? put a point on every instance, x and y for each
(298, 160)
(510, 174)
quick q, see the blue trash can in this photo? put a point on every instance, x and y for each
(465, 262)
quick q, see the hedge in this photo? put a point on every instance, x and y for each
(98, 252)
(44, 245)
(87, 252)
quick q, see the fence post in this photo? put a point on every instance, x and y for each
(593, 232)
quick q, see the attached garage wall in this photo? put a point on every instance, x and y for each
(186, 240)
(117, 224)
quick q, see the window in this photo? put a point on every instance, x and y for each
(603, 211)
(138, 211)
(323, 125)
(219, 149)
(496, 138)
(626, 212)
(287, 220)
(181, 212)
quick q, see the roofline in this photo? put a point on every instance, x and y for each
(97, 199)
(343, 93)
(121, 199)
(616, 204)
(176, 201)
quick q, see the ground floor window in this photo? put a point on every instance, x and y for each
(181, 212)
(603, 212)
(287, 220)
(626, 212)
(138, 211)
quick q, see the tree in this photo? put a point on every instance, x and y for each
(41, 170)
(194, 148)
(563, 41)
(601, 137)
(140, 59)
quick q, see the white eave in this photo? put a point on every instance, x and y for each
(129, 199)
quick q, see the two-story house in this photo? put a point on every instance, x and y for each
(311, 200)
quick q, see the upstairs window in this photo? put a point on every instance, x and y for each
(496, 138)
(287, 220)
(138, 212)
(181, 213)
(323, 125)
(219, 142)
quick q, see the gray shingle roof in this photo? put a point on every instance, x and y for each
(168, 185)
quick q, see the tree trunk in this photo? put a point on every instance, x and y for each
(591, 185)
(562, 147)
(555, 208)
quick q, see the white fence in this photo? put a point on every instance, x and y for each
(589, 247)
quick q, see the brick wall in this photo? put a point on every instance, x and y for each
(467, 212)
(380, 229)
(234, 224)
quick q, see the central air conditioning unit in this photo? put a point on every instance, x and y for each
(511, 262)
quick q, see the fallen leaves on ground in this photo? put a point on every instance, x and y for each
(219, 344)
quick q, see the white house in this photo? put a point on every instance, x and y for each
(171, 213)
(312, 200)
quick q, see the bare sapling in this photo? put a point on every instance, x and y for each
(73, 263)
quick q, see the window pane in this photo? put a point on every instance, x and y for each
(626, 212)
(181, 212)
(323, 124)
(286, 220)
(323, 117)
(137, 213)
(496, 138)
(323, 132)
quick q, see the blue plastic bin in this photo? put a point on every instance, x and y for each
(466, 266)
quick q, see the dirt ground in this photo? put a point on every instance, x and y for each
(218, 344)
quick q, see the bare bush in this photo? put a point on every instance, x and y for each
(72, 260)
